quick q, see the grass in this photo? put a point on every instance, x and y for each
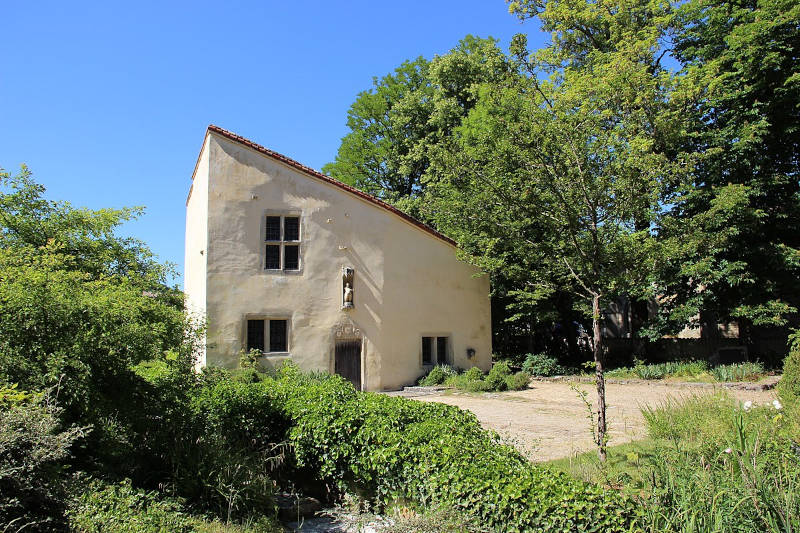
(709, 464)
(694, 371)
(625, 466)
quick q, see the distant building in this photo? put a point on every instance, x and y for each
(287, 261)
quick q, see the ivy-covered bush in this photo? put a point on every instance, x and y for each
(124, 509)
(392, 448)
(219, 437)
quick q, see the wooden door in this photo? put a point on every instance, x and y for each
(348, 361)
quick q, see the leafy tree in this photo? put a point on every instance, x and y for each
(79, 305)
(733, 230)
(737, 231)
(556, 182)
(396, 125)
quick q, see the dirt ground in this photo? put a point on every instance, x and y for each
(549, 420)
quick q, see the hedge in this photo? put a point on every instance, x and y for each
(394, 449)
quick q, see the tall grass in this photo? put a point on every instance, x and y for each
(692, 370)
(748, 371)
(721, 467)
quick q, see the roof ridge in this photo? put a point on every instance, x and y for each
(320, 176)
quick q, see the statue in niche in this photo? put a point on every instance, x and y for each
(347, 288)
(348, 295)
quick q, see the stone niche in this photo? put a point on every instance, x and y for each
(348, 296)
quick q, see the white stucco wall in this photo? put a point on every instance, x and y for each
(408, 283)
(196, 243)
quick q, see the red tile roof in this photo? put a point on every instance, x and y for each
(327, 179)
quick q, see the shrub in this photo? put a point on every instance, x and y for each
(120, 508)
(518, 381)
(540, 364)
(437, 376)
(473, 374)
(789, 385)
(496, 379)
(33, 453)
(471, 380)
(738, 372)
(394, 449)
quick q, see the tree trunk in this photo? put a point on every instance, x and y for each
(599, 378)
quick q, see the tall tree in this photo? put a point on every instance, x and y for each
(396, 125)
(737, 230)
(79, 305)
(550, 179)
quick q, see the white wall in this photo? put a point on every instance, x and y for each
(408, 283)
(196, 243)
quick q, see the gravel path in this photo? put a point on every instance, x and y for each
(549, 420)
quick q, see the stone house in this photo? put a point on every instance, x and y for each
(287, 261)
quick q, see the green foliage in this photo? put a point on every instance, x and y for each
(541, 364)
(396, 125)
(670, 369)
(499, 378)
(106, 508)
(698, 418)
(496, 379)
(789, 385)
(749, 371)
(437, 375)
(110, 508)
(518, 381)
(393, 449)
(749, 477)
(13, 396)
(709, 465)
(79, 305)
(218, 442)
(34, 447)
(691, 370)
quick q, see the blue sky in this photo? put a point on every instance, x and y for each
(107, 102)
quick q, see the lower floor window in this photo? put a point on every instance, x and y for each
(434, 350)
(276, 339)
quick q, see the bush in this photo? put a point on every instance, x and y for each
(496, 379)
(120, 508)
(540, 364)
(215, 438)
(499, 379)
(518, 381)
(437, 376)
(394, 449)
(33, 452)
(789, 385)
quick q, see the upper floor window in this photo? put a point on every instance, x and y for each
(282, 250)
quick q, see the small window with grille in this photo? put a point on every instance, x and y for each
(282, 243)
(268, 335)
